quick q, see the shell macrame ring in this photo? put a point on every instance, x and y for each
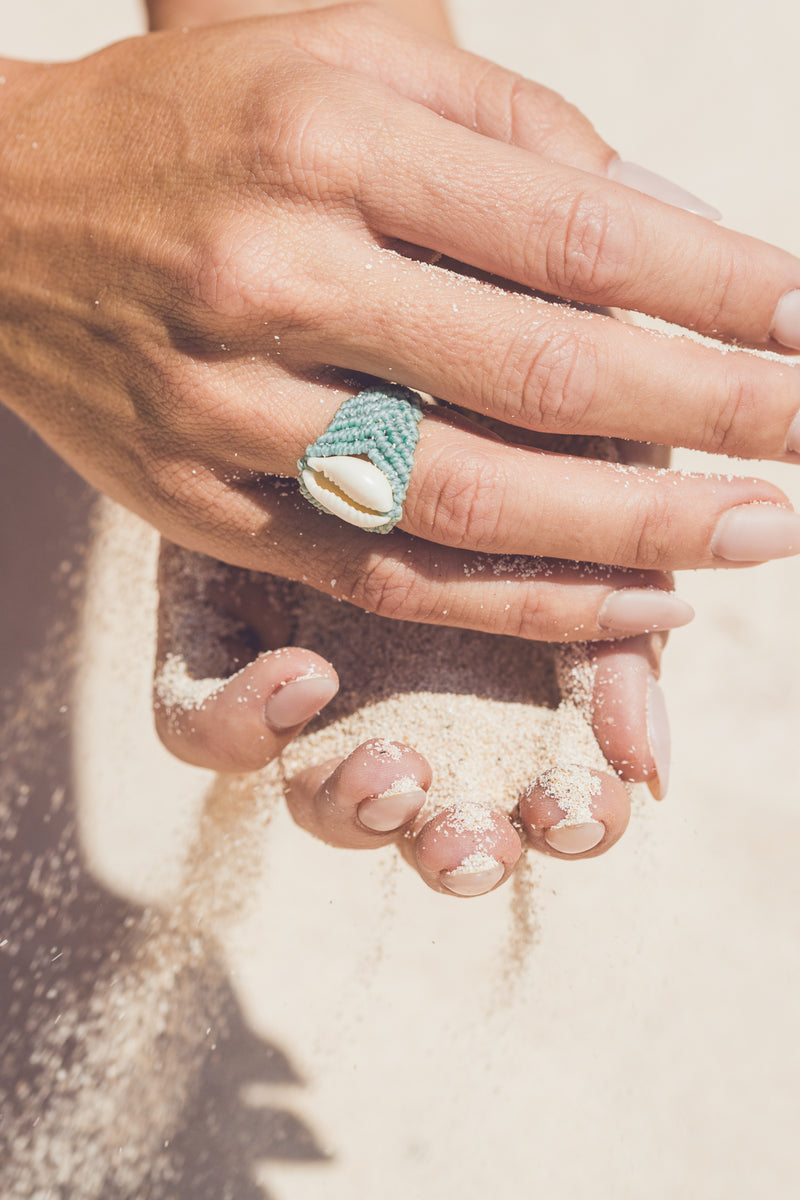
(359, 468)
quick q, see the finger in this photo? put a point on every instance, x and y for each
(629, 714)
(628, 710)
(466, 850)
(482, 96)
(409, 579)
(556, 369)
(462, 87)
(469, 491)
(571, 812)
(366, 800)
(570, 233)
(473, 493)
(218, 702)
(242, 723)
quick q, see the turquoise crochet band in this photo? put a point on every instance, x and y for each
(381, 423)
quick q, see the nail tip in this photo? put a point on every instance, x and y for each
(393, 810)
(658, 187)
(575, 839)
(298, 701)
(756, 533)
(643, 610)
(786, 321)
(461, 882)
(659, 738)
(655, 789)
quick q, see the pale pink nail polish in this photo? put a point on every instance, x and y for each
(298, 700)
(756, 533)
(575, 839)
(786, 322)
(642, 180)
(382, 814)
(643, 610)
(477, 875)
(793, 437)
(658, 737)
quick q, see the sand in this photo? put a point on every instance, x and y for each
(490, 714)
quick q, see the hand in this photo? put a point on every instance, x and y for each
(207, 249)
(232, 692)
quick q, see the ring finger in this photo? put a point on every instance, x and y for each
(472, 492)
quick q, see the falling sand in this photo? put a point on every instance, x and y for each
(114, 1041)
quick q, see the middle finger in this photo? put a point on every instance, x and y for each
(552, 368)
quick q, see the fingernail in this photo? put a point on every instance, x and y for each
(298, 700)
(575, 839)
(643, 610)
(475, 876)
(793, 437)
(658, 738)
(786, 322)
(634, 176)
(384, 813)
(756, 533)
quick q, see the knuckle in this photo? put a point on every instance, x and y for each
(730, 426)
(253, 272)
(555, 380)
(650, 543)
(543, 117)
(500, 101)
(532, 619)
(725, 273)
(590, 248)
(527, 114)
(316, 145)
(391, 588)
(220, 276)
(465, 494)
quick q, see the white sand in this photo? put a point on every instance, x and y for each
(649, 1045)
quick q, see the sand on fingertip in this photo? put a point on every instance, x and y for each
(489, 713)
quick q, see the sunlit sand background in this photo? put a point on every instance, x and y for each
(378, 1040)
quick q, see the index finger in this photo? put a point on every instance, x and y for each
(571, 234)
(479, 94)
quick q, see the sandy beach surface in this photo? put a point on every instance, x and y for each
(242, 1013)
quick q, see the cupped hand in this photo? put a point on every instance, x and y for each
(211, 239)
(232, 692)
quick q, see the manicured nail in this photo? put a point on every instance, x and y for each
(793, 437)
(298, 700)
(384, 813)
(786, 322)
(634, 176)
(643, 610)
(575, 839)
(755, 533)
(475, 876)
(659, 738)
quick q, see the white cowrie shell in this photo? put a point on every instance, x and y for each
(358, 479)
(338, 505)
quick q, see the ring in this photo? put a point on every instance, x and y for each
(359, 468)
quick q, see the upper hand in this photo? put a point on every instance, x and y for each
(205, 250)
